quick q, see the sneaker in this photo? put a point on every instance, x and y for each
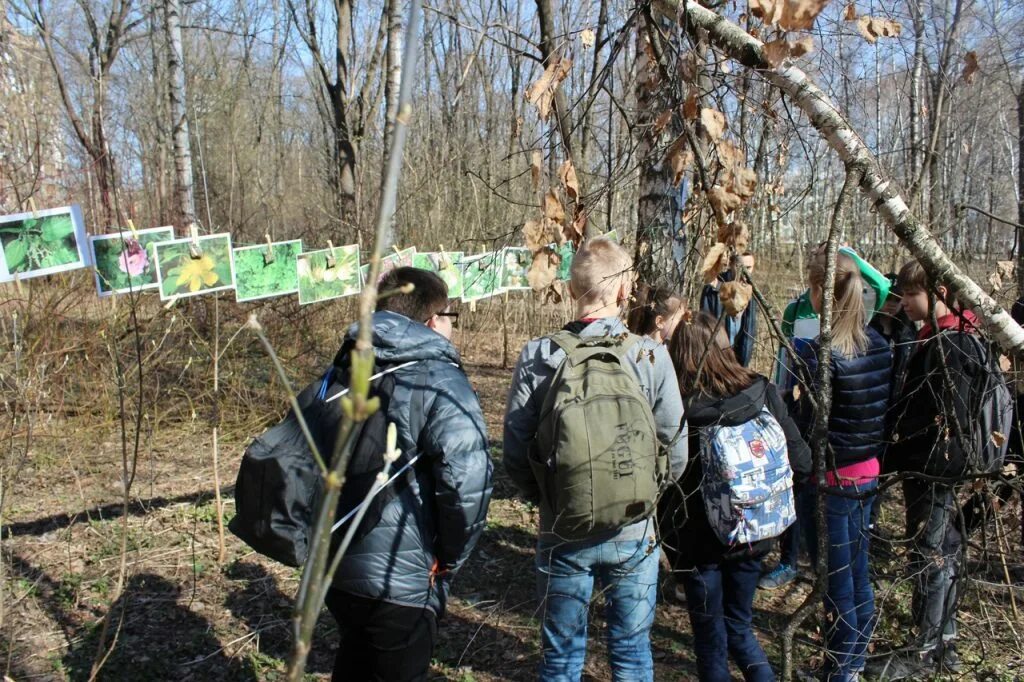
(780, 576)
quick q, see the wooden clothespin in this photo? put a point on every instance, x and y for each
(398, 251)
(193, 248)
(268, 254)
(442, 258)
(32, 207)
(331, 260)
(131, 228)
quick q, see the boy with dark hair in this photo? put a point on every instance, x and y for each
(391, 586)
(613, 458)
(741, 329)
(932, 428)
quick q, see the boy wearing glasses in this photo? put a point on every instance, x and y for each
(391, 586)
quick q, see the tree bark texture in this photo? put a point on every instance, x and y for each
(185, 196)
(882, 192)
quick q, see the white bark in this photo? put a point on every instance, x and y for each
(882, 191)
(182, 154)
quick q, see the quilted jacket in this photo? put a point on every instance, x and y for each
(440, 516)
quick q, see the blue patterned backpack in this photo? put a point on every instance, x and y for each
(748, 484)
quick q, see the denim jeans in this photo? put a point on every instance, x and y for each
(628, 575)
(720, 599)
(850, 598)
(935, 544)
(804, 528)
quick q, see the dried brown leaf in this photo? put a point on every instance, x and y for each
(998, 438)
(777, 51)
(723, 202)
(680, 158)
(996, 281)
(1005, 268)
(744, 183)
(543, 270)
(970, 66)
(789, 15)
(850, 13)
(735, 297)
(691, 106)
(687, 67)
(579, 225)
(736, 235)
(536, 235)
(536, 164)
(542, 92)
(873, 28)
(715, 261)
(567, 175)
(660, 123)
(553, 209)
(798, 48)
(713, 122)
(588, 37)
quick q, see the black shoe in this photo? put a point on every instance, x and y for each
(950, 662)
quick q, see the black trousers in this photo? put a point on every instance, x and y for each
(380, 641)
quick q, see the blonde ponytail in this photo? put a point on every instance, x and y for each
(849, 317)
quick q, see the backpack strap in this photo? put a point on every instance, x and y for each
(378, 375)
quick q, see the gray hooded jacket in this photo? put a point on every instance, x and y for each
(440, 516)
(534, 370)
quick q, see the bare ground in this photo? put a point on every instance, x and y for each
(184, 616)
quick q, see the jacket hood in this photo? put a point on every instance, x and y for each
(963, 321)
(398, 339)
(704, 410)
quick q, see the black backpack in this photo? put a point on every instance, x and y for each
(279, 486)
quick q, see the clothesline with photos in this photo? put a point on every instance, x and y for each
(44, 242)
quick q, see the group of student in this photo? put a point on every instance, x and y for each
(637, 484)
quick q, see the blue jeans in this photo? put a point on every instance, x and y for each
(628, 572)
(850, 599)
(804, 528)
(720, 598)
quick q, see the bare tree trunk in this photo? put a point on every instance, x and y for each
(881, 191)
(185, 203)
(660, 233)
(916, 141)
(1020, 188)
(393, 70)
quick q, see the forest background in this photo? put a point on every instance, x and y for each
(125, 419)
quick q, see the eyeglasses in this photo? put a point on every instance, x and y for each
(453, 315)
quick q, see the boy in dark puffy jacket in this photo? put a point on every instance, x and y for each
(389, 590)
(932, 410)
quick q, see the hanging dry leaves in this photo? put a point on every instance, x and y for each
(553, 209)
(680, 158)
(735, 297)
(579, 225)
(872, 28)
(542, 92)
(850, 13)
(723, 202)
(713, 123)
(567, 175)
(687, 67)
(536, 235)
(536, 164)
(736, 235)
(998, 438)
(996, 281)
(1005, 268)
(778, 51)
(715, 261)
(588, 37)
(789, 15)
(543, 270)
(691, 106)
(660, 123)
(970, 66)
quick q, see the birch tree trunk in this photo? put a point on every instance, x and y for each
(1020, 188)
(184, 195)
(393, 71)
(660, 233)
(882, 192)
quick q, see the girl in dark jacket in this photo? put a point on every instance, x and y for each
(719, 580)
(861, 372)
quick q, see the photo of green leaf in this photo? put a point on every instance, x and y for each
(125, 261)
(481, 276)
(42, 242)
(515, 267)
(320, 281)
(446, 265)
(566, 252)
(180, 275)
(257, 276)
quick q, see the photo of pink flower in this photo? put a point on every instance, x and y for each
(134, 260)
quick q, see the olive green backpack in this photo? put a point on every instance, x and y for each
(596, 455)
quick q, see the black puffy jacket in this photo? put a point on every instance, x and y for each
(441, 514)
(860, 399)
(686, 535)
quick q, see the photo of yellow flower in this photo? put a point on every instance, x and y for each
(179, 274)
(320, 279)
